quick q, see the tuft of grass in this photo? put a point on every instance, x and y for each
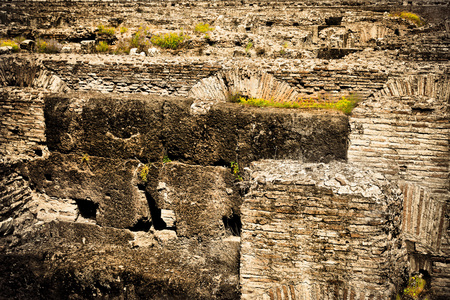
(48, 46)
(102, 47)
(106, 30)
(123, 30)
(10, 43)
(170, 40)
(144, 173)
(166, 159)
(122, 46)
(235, 170)
(248, 46)
(409, 16)
(344, 104)
(203, 28)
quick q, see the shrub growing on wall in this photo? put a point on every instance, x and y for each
(12, 44)
(170, 40)
(48, 46)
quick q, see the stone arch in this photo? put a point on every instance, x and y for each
(27, 73)
(219, 87)
(423, 85)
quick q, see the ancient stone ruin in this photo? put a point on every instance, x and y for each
(130, 171)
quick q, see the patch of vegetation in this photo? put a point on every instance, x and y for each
(14, 45)
(344, 104)
(123, 30)
(123, 46)
(170, 40)
(248, 46)
(48, 46)
(144, 173)
(139, 39)
(416, 289)
(85, 160)
(166, 159)
(203, 28)
(102, 47)
(106, 30)
(235, 170)
(409, 16)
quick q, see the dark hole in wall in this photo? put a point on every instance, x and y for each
(155, 212)
(48, 177)
(221, 163)
(233, 224)
(295, 24)
(87, 208)
(82, 38)
(38, 152)
(421, 110)
(397, 32)
(16, 130)
(334, 53)
(269, 23)
(143, 224)
(333, 21)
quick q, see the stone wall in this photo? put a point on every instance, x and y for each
(15, 193)
(177, 76)
(403, 132)
(314, 231)
(22, 132)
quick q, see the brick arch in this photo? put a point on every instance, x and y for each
(246, 83)
(27, 73)
(427, 85)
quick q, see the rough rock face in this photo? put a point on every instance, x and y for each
(147, 128)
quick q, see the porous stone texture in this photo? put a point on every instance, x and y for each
(150, 127)
(200, 198)
(338, 224)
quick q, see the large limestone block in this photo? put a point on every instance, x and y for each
(105, 190)
(200, 198)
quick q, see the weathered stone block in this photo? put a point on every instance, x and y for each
(105, 190)
(199, 199)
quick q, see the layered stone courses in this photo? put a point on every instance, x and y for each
(336, 223)
(423, 218)
(22, 131)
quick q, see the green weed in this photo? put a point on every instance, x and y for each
(203, 28)
(166, 159)
(102, 47)
(344, 104)
(10, 43)
(235, 170)
(144, 173)
(248, 46)
(106, 30)
(169, 40)
(409, 16)
(48, 46)
(123, 30)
